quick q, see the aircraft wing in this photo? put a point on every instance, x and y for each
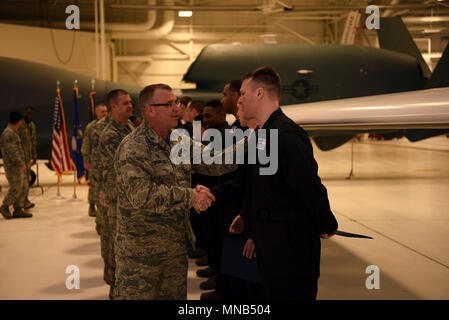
(421, 109)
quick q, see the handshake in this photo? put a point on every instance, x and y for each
(203, 198)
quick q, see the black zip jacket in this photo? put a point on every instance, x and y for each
(288, 210)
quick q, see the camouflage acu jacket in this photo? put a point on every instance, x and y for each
(95, 175)
(27, 133)
(86, 148)
(154, 196)
(110, 139)
(12, 149)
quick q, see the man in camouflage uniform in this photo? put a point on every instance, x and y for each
(119, 126)
(154, 200)
(95, 176)
(86, 150)
(27, 133)
(15, 168)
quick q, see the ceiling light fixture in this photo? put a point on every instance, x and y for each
(431, 30)
(185, 13)
(304, 71)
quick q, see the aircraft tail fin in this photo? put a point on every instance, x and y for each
(440, 76)
(393, 35)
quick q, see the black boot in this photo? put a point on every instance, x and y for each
(28, 204)
(205, 273)
(92, 211)
(203, 261)
(5, 212)
(209, 284)
(19, 213)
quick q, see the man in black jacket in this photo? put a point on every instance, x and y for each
(289, 210)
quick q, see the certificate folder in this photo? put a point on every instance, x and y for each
(235, 264)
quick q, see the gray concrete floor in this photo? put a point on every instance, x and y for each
(399, 196)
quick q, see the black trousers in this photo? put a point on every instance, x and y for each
(233, 288)
(288, 264)
(290, 288)
(200, 229)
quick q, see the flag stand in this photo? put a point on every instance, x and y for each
(74, 185)
(74, 198)
(58, 192)
(76, 145)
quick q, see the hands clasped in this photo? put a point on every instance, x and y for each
(203, 198)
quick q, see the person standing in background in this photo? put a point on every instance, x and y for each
(118, 127)
(95, 176)
(15, 168)
(27, 133)
(86, 150)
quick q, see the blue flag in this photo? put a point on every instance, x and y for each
(77, 135)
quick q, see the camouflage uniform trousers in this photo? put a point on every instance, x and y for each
(92, 190)
(102, 215)
(112, 231)
(139, 279)
(93, 198)
(18, 187)
(28, 176)
(98, 216)
(28, 179)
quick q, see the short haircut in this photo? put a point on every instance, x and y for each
(100, 105)
(15, 117)
(30, 108)
(215, 104)
(147, 93)
(267, 77)
(113, 95)
(235, 85)
(198, 105)
(185, 100)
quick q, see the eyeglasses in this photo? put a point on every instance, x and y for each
(168, 104)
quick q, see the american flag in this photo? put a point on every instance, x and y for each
(60, 155)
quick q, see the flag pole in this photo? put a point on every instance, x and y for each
(74, 184)
(75, 167)
(75, 85)
(58, 192)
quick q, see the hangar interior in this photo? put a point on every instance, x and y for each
(148, 41)
(398, 194)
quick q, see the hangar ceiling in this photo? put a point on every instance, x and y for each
(153, 34)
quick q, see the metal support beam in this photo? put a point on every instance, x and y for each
(298, 35)
(103, 41)
(260, 9)
(172, 45)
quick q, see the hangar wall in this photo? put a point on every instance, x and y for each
(35, 44)
(170, 57)
(142, 61)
